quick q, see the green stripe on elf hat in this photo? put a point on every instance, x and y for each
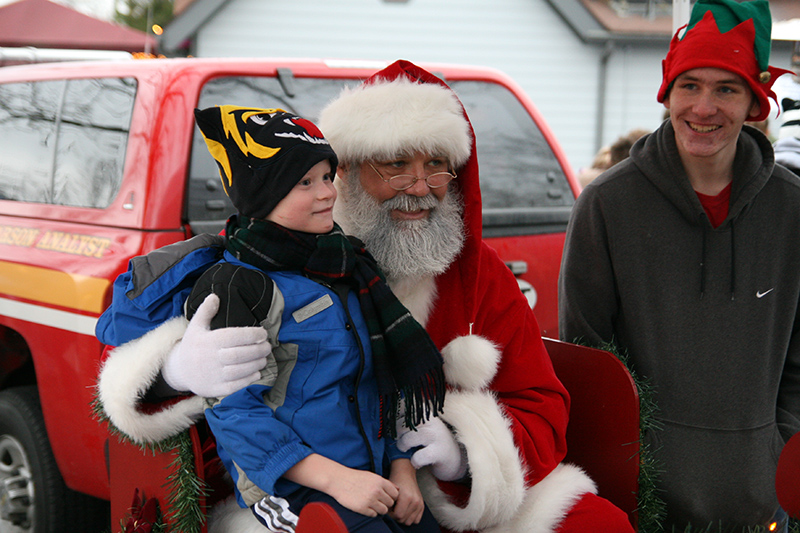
(728, 35)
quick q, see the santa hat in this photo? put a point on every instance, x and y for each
(728, 35)
(386, 118)
(261, 153)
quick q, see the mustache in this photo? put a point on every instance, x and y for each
(406, 202)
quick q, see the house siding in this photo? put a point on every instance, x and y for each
(525, 39)
(633, 81)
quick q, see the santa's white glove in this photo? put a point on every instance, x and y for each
(439, 449)
(215, 363)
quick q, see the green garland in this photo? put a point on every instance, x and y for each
(185, 489)
(650, 509)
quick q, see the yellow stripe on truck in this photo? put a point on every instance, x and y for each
(75, 291)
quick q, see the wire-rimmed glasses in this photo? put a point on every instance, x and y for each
(401, 182)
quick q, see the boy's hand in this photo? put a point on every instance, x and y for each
(215, 363)
(364, 492)
(409, 506)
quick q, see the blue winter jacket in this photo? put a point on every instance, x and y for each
(325, 399)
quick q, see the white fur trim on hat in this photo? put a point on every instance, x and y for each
(387, 118)
(129, 371)
(470, 362)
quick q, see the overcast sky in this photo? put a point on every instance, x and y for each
(102, 9)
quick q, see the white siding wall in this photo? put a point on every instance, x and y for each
(523, 38)
(634, 76)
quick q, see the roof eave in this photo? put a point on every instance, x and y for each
(186, 25)
(586, 27)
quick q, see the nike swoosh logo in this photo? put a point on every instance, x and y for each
(760, 294)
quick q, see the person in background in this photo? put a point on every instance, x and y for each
(600, 163)
(692, 243)
(787, 87)
(608, 156)
(787, 147)
(621, 148)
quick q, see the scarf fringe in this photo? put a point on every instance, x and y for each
(421, 402)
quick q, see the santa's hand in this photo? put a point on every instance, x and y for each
(438, 448)
(215, 363)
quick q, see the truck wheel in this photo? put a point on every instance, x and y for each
(33, 496)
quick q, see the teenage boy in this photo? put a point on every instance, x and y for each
(685, 257)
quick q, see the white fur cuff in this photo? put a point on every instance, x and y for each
(498, 480)
(549, 501)
(129, 371)
(228, 517)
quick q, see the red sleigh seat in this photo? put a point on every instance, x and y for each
(603, 431)
(134, 471)
(602, 438)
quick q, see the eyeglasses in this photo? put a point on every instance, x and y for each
(401, 182)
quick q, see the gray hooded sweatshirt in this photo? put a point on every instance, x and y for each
(708, 315)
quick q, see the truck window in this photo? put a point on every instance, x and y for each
(518, 168)
(64, 141)
(524, 188)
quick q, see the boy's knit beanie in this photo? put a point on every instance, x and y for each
(261, 153)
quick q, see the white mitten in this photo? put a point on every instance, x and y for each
(439, 449)
(215, 363)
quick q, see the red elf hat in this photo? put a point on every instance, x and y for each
(731, 36)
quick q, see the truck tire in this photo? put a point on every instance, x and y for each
(33, 496)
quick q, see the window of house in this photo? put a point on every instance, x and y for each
(642, 8)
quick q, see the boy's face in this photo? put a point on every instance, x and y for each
(309, 205)
(707, 107)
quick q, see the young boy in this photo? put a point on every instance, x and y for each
(317, 425)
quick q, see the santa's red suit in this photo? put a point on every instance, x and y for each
(506, 407)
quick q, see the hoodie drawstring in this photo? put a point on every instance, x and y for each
(733, 263)
(703, 258)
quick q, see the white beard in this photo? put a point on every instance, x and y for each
(406, 248)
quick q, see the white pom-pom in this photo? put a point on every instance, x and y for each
(470, 362)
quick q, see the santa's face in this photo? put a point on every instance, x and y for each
(409, 234)
(379, 178)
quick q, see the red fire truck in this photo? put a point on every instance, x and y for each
(101, 162)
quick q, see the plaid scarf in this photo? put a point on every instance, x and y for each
(408, 366)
